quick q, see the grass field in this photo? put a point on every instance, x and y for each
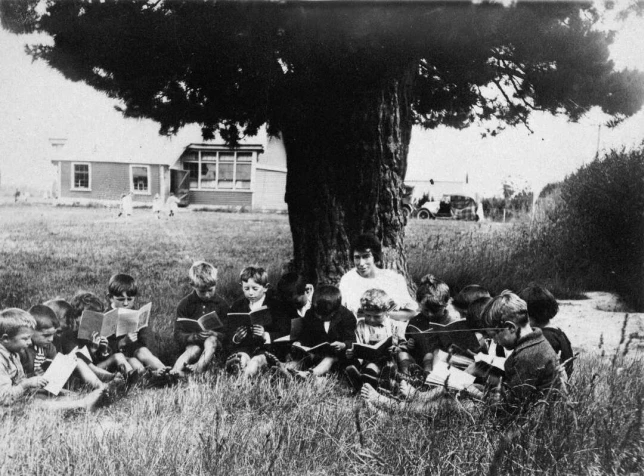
(216, 425)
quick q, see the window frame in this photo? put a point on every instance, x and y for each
(72, 185)
(197, 159)
(134, 190)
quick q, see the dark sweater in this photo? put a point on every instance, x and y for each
(193, 307)
(342, 328)
(277, 325)
(560, 344)
(530, 370)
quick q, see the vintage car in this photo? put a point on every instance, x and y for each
(455, 207)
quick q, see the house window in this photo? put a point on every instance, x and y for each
(224, 170)
(140, 179)
(81, 177)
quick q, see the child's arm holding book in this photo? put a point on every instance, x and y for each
(9, 392)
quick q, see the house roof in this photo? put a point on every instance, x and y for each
(140, 143)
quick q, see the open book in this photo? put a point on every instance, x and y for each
(371, 352)
(235, 320)
(115, 322)
(444, 375)
(59, 371)
(321, 349)
(296, 331)
(207, 322)
(456, 333)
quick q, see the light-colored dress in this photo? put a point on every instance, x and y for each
(353, 286)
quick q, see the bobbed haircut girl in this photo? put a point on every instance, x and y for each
(542, 305)
(122, 283)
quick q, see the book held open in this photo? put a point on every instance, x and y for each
(207, 322)
(235, 320)
(444, 375)
(296, 331)
(115, 322)
(59, 371)
(371, 352)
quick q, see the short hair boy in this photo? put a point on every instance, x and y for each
(531, 369)
(64, 312)
(328, 321)
(121, 293)
(467, 296)
(42, 347)
(295, 292)
(248, 349)
(542, 307)
(199, 347)
(16, 328)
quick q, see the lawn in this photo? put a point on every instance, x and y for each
(217, 425)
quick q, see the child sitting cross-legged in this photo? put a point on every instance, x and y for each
(199, 347)
(121, 293)
(374, 327)
(433, 299)
(43, 350)
(101, 353)
(16, 329)
(248, 346)
(327, 321)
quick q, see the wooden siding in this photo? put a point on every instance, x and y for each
(270, 187)
(109, 180)
(221, 198)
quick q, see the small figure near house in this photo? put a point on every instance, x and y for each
(16, 196)
(157, 204)
(172, 203)
(127, 207)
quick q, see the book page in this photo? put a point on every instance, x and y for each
(296, 328)
(128, 322)
(261, 316)
(235, 320)
(59, 372)
(491, 360)
(189, 325)
(110, 322)
(144, 316)
(90, 322)
(210, 321)
(442, 374)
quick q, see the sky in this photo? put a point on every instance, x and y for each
(37, 103)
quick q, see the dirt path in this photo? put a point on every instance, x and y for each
(600, 317)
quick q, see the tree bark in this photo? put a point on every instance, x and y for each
(346, 161)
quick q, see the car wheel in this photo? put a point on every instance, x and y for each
(424, 214)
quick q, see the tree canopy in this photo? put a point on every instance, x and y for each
(342, 83)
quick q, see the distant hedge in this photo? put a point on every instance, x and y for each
(600, 224)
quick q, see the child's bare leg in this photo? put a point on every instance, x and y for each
(190, 355)
(102, 374)
(89, 402)
(84, 372)
(136, 364)
(324, 366)
(117, 362)
(209, 349)
(147, 358)
(255, 365)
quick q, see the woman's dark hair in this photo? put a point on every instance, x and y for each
(368, 241)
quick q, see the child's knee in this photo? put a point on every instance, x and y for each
(211, 343)
(192, 352)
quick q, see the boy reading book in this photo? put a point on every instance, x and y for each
(16, 329)
(121, 294)
(376, 326)
(327, 322)
(253, 324)
(199, 346)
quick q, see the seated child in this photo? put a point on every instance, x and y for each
(542, 307)
(374, 327)
(43, 349)
(474, 318)
(248, 349)
(100, 351)
(531, 369)
(199, 347)
(121, 293)
(16, 328)
(328, 321)
(433, 299)
(467, 296)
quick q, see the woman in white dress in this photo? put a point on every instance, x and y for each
(366, 252)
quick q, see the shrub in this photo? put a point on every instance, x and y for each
(601, 224)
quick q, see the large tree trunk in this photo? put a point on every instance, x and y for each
(346, 161)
